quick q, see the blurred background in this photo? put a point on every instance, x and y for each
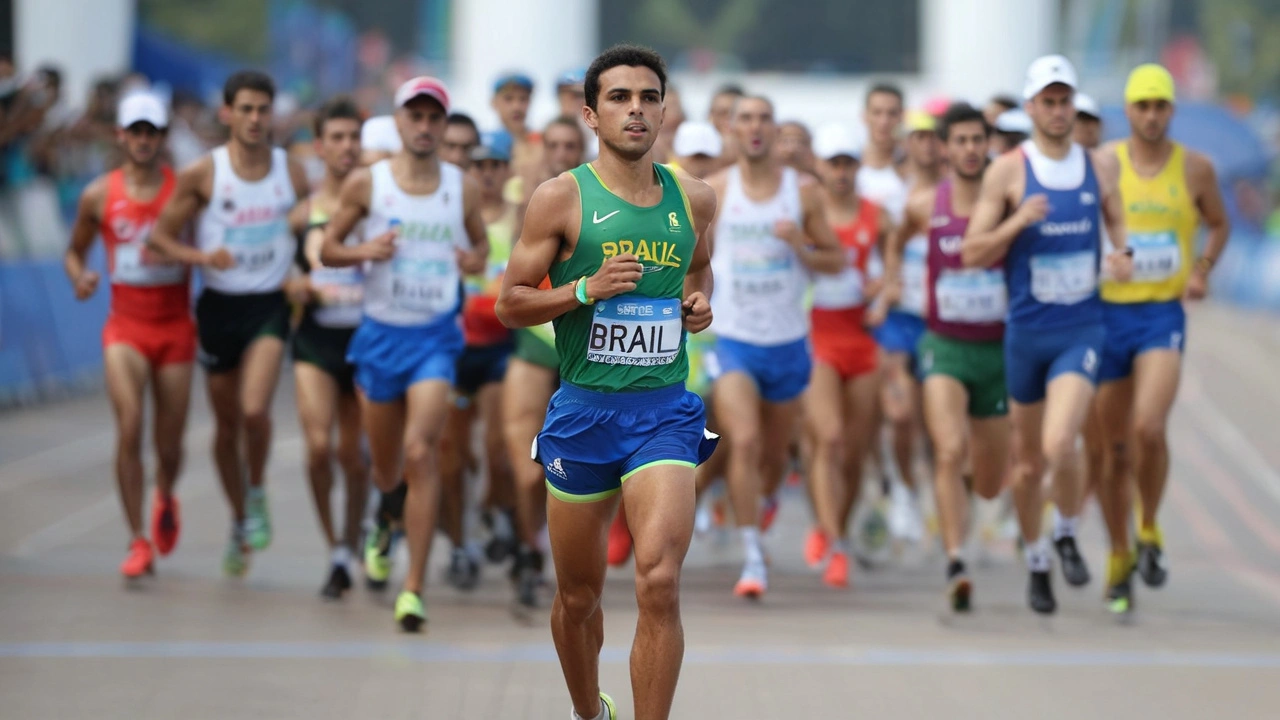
(64, 64)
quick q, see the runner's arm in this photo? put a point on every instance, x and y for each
(88, 218)
(913, 222)
(699, 282)
(191, 193)
(1107, 167)
(300, 214)
(353, 204)
(473, 261)
(992, 230)
(1208, 196)
(520, 303)
(816, 244)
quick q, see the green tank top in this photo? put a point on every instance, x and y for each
(631, 342)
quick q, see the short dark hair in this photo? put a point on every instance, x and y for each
(883, 88)
(618, 56)
(733, 89)
(338, 108)
(465, 120)
(247, 80)
(961, 112)
(1005, 101)
(569, 122)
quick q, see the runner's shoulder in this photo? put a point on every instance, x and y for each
(1198, 167)
(554, 202)
(702, 197)
(197, 176)
(95, 193)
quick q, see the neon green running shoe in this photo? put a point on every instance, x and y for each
(235, 561)
(377, 557)
(410, 612)
(257, 520)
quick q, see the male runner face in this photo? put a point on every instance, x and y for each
(922, 149)
(421, 123)
(492, 175)
(882, 116)
(142, 142)
(1149, 119)
(795, 147)
(628, 114)
(722, 111)
(563, 148)
(459, 141)
(512, 105)
(754, 127)
(1053, 111)
(339, 145)
(249, 117)
(967, 145)
(839, 175)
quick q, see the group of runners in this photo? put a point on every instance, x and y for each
(485, 326)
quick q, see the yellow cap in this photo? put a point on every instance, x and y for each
(920, 121)
(1149, 82)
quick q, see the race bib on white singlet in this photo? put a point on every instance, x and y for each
(971, 296)
(133, 265)
(1064, 278)
(838, 292)
(1156, 256)
(255, 247)
(635, 331)
(762, 274)
(425, 286)
(913, 276)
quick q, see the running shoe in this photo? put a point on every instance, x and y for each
(257, 520)
(753, 581)
(377, 556)
(768, 513)
(1119, 596)
(1074, 568)
(235, 561)
(140, 560)
(816, 547)
(1152, 565)
(410, 612)
(503, 543)
(464, 571)
(166, 522)
(905, 519)
(959, 587)
(608, 710)
(619, 541)
(1040, 593)
(837, 573)
(338, 583)
(528, 576)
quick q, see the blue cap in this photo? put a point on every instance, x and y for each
(518, 79)
(493, 146)
(576, 76)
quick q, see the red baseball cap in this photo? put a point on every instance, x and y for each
(423, 86)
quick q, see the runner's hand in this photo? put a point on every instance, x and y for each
(876, 314)
(298, 290)
(220, 259)
(789, 231)
(697, 313)
(1033, 210)
(471, 262)
(380, 248)
(1197, 285)
(1120, 266)
(617, 276)
(86, 284)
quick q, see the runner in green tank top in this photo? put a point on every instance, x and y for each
(622, 240)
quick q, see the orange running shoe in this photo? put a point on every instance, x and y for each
(619, 541)
(165, 523)
(837, 573)
(139, 560)
(816, 547)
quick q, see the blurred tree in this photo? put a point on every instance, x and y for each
(235, 27)
(1240, 37)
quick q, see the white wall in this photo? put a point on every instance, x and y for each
(84, 38)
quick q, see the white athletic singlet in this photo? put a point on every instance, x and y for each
(884, 187)
(760, 283)
(421, 282)
(251, 220)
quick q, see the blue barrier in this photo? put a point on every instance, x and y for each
(50, 344)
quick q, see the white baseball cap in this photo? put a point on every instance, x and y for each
(697, 138)
(834, 140)
(142, 107)
(1086, 105)
(1014, 121)
(423, 86)
(1046, 71)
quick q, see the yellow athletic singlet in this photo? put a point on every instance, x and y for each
(1161, 220)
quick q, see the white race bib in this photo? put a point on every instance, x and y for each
(133, 266)
(425, 286)
(1156, 256)
(762, 274)
(913, 276)
(629, 330)
(255, 247)
(971, 296)
(1064, 278)
(838, 292)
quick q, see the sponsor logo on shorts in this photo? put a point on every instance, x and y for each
(1000, 406)
(1090, 360)
(556, 468)
(1175, 341)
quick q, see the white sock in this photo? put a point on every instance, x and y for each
(1037, 555)
(1063, 526)
(340, 555)
(751, 544)
(604, 713)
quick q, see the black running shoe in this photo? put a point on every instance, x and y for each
(1040, 593)
(338, 583)
(464, 572)
(1074, 569)
(1120, 597)
(960, 588)
(1151, 565)
(528, 576)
